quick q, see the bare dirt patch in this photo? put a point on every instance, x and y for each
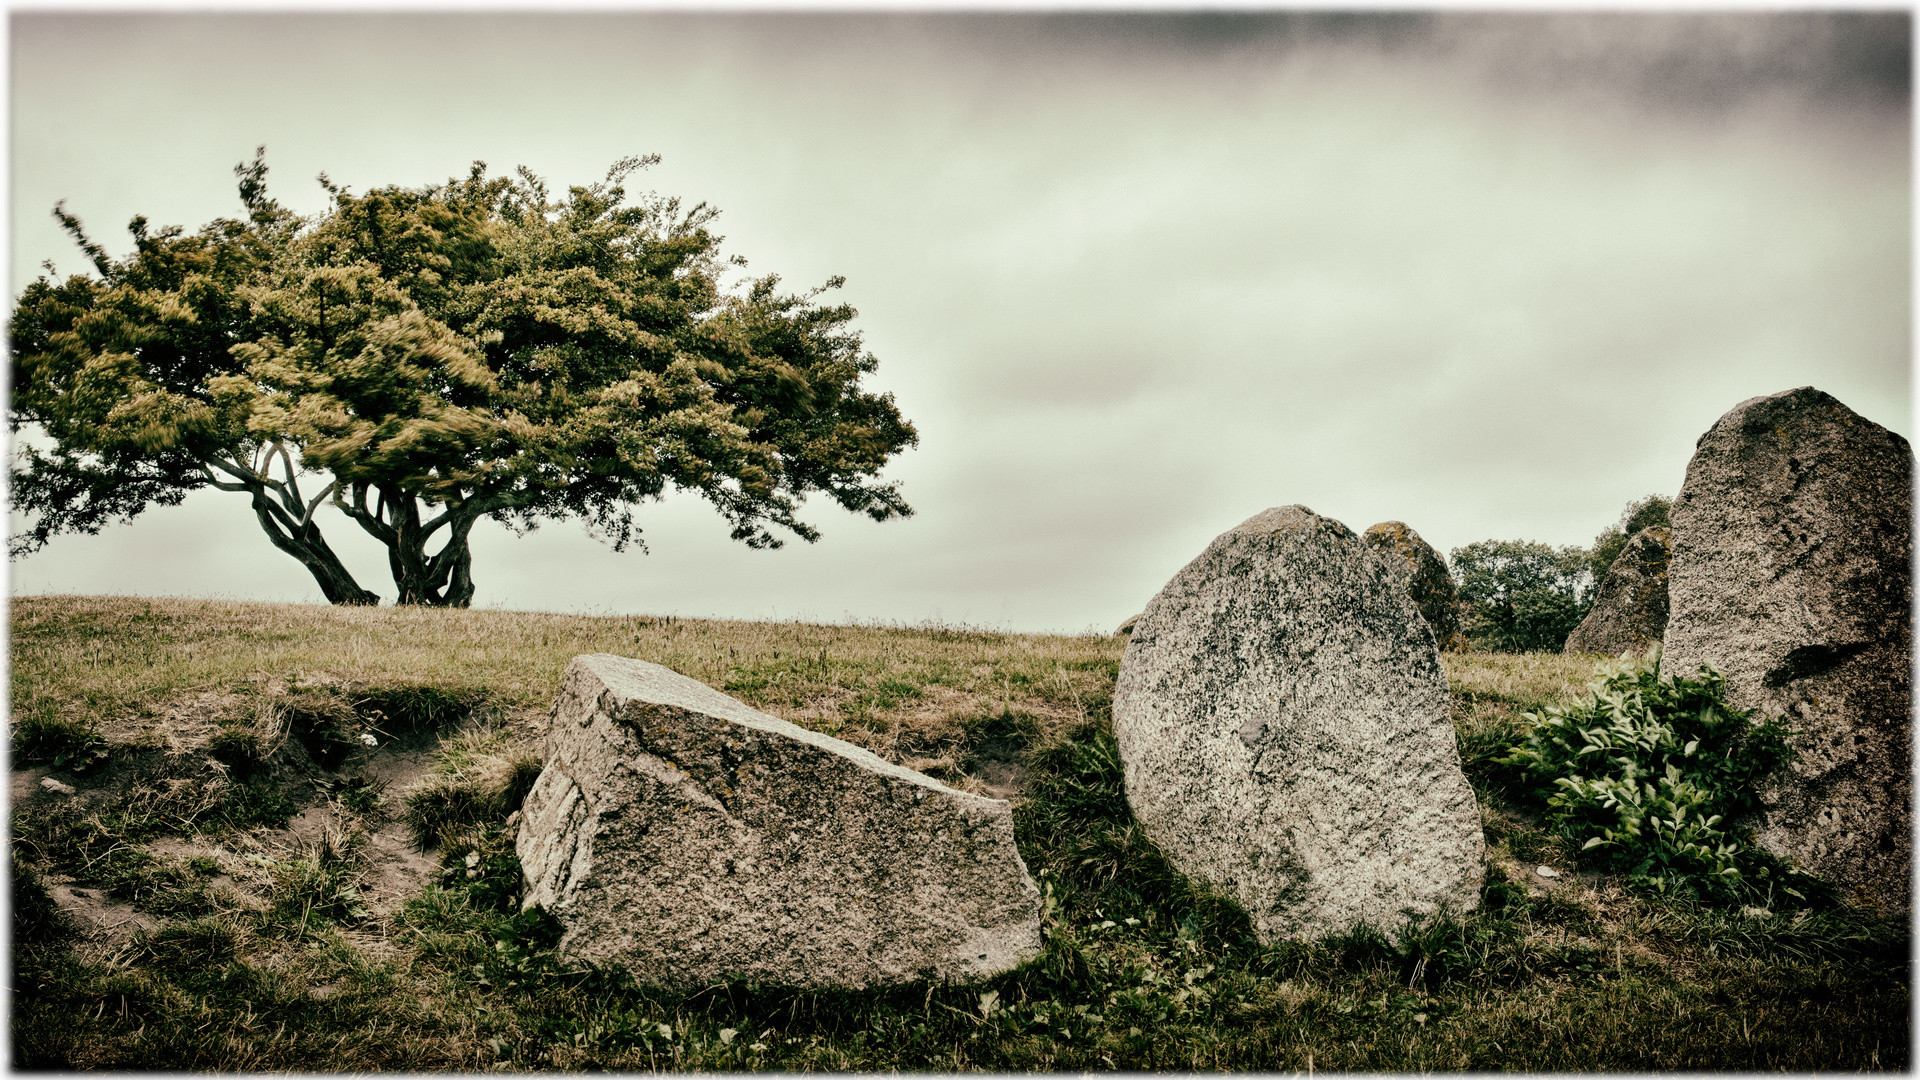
(173, 795)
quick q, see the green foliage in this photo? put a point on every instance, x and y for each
(438, 355)
(1639, 514)
(60, 743)
(1651, 773)
(1521, 596)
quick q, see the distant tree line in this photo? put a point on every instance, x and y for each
(1521, 596)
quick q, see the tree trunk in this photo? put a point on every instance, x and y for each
(443, 579)
(306, 544)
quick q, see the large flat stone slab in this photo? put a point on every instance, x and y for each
(686, 837)
(1283, 720)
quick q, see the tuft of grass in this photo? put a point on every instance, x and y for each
(320, 885)
(163, 886)
(480, 776)
(207, 942)
(64, 744)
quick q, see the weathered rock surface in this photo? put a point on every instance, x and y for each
(1791, 573)
(1428, 582)
(684, 836)
(1126, 628)
(1629, 613)
(1282, 719)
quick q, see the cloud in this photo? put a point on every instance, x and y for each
(1135, 275)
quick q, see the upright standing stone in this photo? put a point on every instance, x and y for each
(1629, 613)
(1791, 573)
(681, 835)
(1282, 719)
(1428, 582)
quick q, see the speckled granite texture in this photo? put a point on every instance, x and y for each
(684, 836)
(1282, 719)
(1630, 613)
(1791, 573)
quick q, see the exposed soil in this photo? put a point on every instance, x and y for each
(175, 745)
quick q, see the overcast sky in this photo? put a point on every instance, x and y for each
(1134, 276)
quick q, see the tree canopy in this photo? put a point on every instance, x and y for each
(421, 358)
(1521, 596)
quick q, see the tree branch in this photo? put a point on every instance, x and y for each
(368, 521)
(221, 484)
(314, 504)
(286, 464)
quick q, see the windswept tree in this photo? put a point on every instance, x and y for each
(422, 358)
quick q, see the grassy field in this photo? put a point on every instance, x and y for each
(227, 798)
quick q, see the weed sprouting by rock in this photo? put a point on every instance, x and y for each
(1654, 775)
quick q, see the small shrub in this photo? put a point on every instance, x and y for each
(1652, 773)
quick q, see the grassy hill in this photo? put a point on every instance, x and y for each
(240, 881)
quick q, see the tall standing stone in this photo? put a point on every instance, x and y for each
(683, 836)
(1428, 582)
(1282, 719)
(1791, 573)
(1629, 612)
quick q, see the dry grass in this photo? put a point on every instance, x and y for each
(893, 689)
(1140, 971)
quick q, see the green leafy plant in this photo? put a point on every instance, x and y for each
(1653, 773)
